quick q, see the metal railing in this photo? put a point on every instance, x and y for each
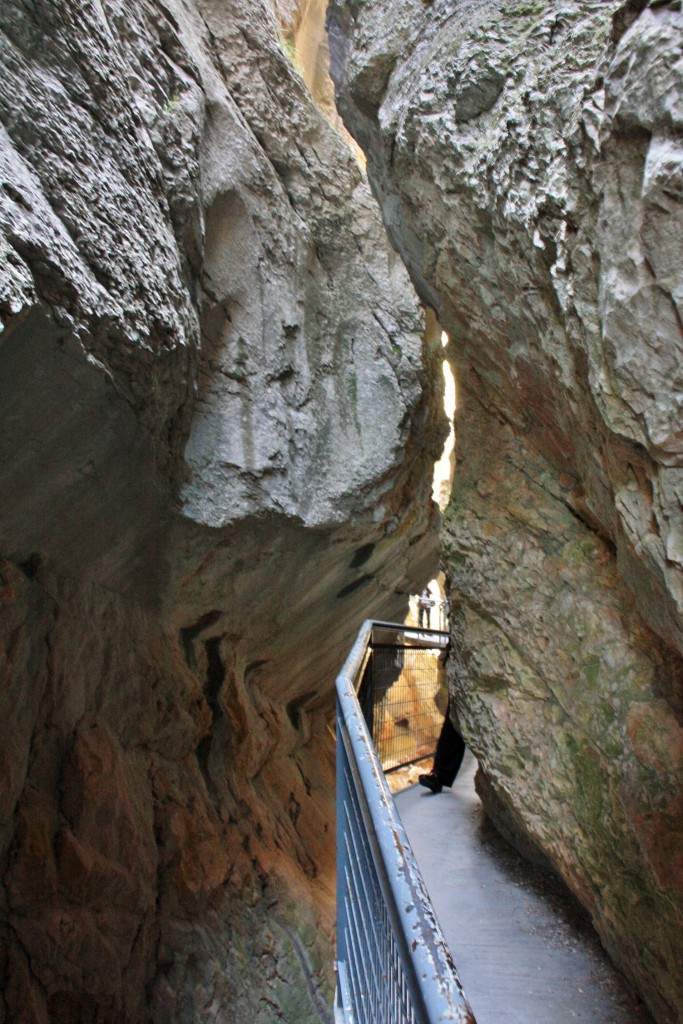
(393, 965)
(403, 693)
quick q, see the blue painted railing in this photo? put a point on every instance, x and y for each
(393, 965)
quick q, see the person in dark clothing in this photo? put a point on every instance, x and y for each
(450, 748)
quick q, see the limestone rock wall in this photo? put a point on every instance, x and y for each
(215, 461)
(527, 160)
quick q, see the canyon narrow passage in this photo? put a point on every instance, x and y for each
(221, 401)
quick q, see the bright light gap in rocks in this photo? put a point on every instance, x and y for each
(442, 482)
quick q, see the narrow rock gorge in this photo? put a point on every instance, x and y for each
(220, 404)
(219, 420)
(528, 161)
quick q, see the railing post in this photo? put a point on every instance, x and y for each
(342, 858)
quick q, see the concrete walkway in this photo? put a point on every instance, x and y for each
(524, 950)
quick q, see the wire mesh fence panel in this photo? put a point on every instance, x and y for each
(403, 696)
(374, 969)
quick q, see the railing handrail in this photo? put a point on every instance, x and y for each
(430, 963)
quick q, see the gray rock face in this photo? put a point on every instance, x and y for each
(527, 160)
(215, 460)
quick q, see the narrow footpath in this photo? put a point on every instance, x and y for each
(524, 949)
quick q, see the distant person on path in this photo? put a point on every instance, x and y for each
(424, 604)
(443, 613)
(450, 749)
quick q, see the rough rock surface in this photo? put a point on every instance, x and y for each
(528, 160)
(215, 460)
